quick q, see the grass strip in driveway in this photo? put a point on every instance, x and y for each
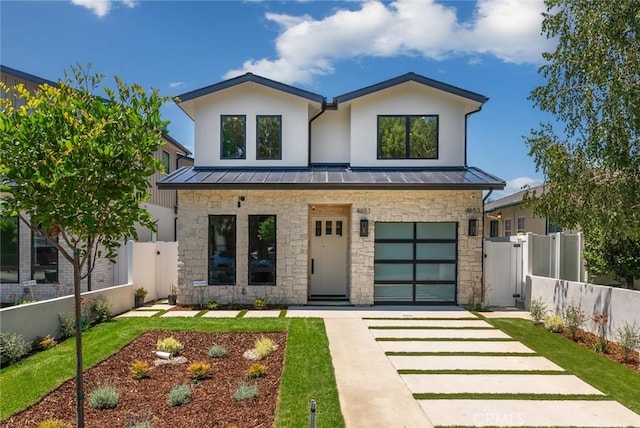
(415, 327)
(424, 318)
(486, 396)
(615, 380)
(461, 354)
(481, 372)
(447, 339)
(308, 371)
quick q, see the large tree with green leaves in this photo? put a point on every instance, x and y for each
(591, 156)
(76, 168)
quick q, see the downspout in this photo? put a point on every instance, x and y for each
(484, 201)
(466, 116)
(323, 108)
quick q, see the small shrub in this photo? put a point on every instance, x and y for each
(135, 421)
(628, 338)
(537, 310)
(179, 395)
(554, 323)
(43, 343)
(140, 370)
(601, 320)
(245, 391)
(54, 423)
(264, 346)
(104, 397)
(13, 346)
(260, 304)
(199, 370)
(67, 325)
(170, 345)
(217, 351)
(574, 318)
(257, 370)
(101, 309)
(212, 305)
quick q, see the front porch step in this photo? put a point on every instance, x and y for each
(328, 301)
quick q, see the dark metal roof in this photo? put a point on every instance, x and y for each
(26, 76)
(510, 200)
(331, 177)
(411, 77)
(250, 77)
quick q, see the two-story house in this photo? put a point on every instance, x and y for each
(26, 256)
(367, 198)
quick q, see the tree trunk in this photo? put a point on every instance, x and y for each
(79, 387)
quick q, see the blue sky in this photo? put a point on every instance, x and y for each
(492, 47)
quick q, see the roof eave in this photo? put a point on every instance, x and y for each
(329, 186)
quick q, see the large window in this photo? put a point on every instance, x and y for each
(269, 137)
(233, 137)
(9, 246)
(262, 250)
(44, 260)
(507, 227)
(415, 262)
(407, 137)
(222, 249)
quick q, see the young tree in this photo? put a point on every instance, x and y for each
(76, 168)
(591, 167)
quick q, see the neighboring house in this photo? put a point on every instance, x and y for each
(367, 198)
(508, 216)
(24, 256)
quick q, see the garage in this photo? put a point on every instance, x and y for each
(415, 262)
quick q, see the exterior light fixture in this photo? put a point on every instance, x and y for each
(240, 201)
(473, 227)
(364, 227)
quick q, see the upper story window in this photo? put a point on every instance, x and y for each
(233, 137)
(408, 137)
(269, 137)
(166, 162)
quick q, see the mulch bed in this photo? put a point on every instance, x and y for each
(614, 351)
(212, 402)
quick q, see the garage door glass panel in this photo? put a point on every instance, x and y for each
(436, 251)
(394, 272)
(394, 251)
(436, 272)
(393, 292)
(436, 230)
(394, 230)
(435, 292)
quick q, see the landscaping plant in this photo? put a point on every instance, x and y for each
(54, 423)
(13, 346)
(170, 345)
(554, 323)
(260, 304)
(537, 310)
(43, 343)
(67, 325)
(244, 391)
(212, 305)
(103, 397)
(140, 370)
(217, 351)
(574, 318)
(264, 346)
(629, 339)
(179, 395)
(199, 370)
(257, 370)
(601, 320)
(101, 309)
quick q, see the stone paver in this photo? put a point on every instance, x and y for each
(220, 314)
(497, 384)
(359, 312)
(172, 314)
(438, 334)
(507, 314)
(262, 314)
(449, 346)
(533, 413)
(456, 362)
(428, 323)
(141, 314)
(160, 306)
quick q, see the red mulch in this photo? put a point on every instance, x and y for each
(614, 351)
(212, 403)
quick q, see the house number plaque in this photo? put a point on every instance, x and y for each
(363, 210)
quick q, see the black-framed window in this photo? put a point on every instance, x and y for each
(508, 230)
(262, 250)
(493, 228)
(269, 137)
(553, 227)
(408, 137)
(166, 162)
(9, 249)
(44, 260)
(222, 249)
(415, 262)
(233, 136)
(521, 225)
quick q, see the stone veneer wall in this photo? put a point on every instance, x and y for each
(292, 209)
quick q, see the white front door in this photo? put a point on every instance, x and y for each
(328, 256)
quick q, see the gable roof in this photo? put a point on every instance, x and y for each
(513, 199)
(26, 76)
(411, 77)
(250, 77)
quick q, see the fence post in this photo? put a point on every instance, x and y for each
(312, 418)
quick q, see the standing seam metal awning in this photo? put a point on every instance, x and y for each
(331, 177)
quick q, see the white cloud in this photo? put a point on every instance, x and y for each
(101, 8)
(514, 186)
(175, 84)
(307, 47)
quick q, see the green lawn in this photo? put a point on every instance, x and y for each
(308, 371)
(615, 380)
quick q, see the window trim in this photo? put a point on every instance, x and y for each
(407, 130)
(17, 265)
(274, 269)
(279, 116)
(33, 259)
(244, 135)
(235, 250)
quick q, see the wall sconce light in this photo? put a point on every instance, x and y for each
(473, 227)
(364, 227)
(240, 201)
(499, 215)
